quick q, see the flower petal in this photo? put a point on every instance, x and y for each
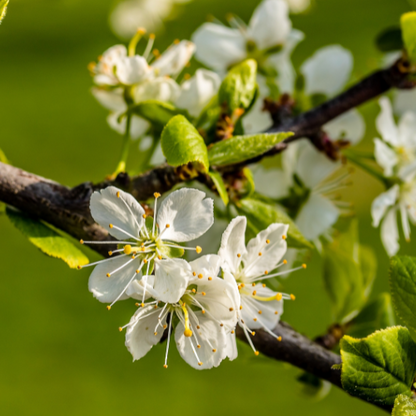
(218, 46)
(206, 266)
(132, 69)
(385, 123)
(123, 212)
(231, 350)
(405, 100)
(271, 253)
(233, 244)
(106, 64)
(173, 61)
(171, 279)
(256, 119)
(385, 156)
(316, 216)
(350, 125)
(110, 99)
(138, 126)
(327, 70)
(270, 24)
(407, 130)
(161, 89)
(390, 233)
(382, 203)
(140, 335)
(187, 214)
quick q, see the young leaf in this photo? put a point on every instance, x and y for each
(403, 290)
(379, 367)
(181, 143)
(3, 8)
(157, 112)
(239, 86)
(47, 240)
(260, 215)
(404, 406)
(390, 40)
(408, 25)
(219, 184)
(240, 148)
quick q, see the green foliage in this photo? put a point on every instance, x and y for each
(219, 184)
(181, 143)
(349, 270)
(157, 112)
(261, 214)
(404, 406)
(3, 8)
(379, 367)
(47, 239)
(239, 86)
(240, 148)
(403, 290)
(390, 40)
(408, 25)
(313, 386)
(3, 157)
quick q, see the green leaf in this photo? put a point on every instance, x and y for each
(157, 112)
(3, 8)
(403, 406)
(182, 144)
(47, 239)
(240, 148)
(239, 86)
(219, 184)
(379, 367)
(313, 386)
(3, 157)
(408, 25)
(260, 215)
(390, 40)
(251, 186)
(377, 314)
(403, 290)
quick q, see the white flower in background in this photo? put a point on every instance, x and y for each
(404, 101)
(260, 307)
(145, 244)
(206, 310)
(298, 6)
(128, 15)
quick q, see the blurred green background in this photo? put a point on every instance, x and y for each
(61, 352)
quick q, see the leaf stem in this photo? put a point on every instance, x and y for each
(121, 167)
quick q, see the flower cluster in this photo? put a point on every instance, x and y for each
(203, 299)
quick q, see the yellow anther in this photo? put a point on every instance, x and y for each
(200, 363)
(198, 249)
(81, 241)
(203, 293)
(304, 265)
(214, 350)
(145, 261)
(142, 305)
(108, 274)
(238, 255)
(167, 225)
(239, 287)
(198, 327)
(293, 297)
(267, 241)
(127, 249)
(120, 329)
(254, 293)
(279, 296)
(241, 307)
(156, 195)
(137, 304)
(264, 284)
(279, 339)
(283, 237)
(203, 311)
(141, 30)
(165, 366)
(231, 309)
(255, 319)
(232, 331)
(276, 312)
(187, 76)
(110, 253)
(284, 261)
(260, 254)
(133, 256)
(155, 307)
(242, 284)
(253, 333)
(256, 353)
(200, 276)
(108, 307)
(266, 272)
(198, 346)
(144, 216)
(187, 333)
(118, 194)
(221, 325)
(209, 278)
(137, 271)
(165, 326)
(193, 290)
(152, 36)
(159, 257)
(143, 249)
(194, 273)
(154, 333)
(79, 267)
(111, 225)
(260, 312)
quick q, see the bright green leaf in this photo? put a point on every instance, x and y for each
(408, 25)
(157, 112)
(403, 289)
(219, 184)
(181, 143)
(3, 8)
(47, 239)
(260, 215)
(390, 40)
(404, 406)
(239, 86)
(379, 367)
(240, 148)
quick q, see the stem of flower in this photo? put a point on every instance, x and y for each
(121, 167)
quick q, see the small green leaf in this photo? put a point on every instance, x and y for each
(251, 186)
(182, 144)
(219, 184)
(239, 86)
(3, 8)
(313, 386)
(390, 40)
(408, 25)
(157, 112)
(240, 148)
(260, 215)
(403, 290)
(47, 239)
(404, 406)
(379, 367)
(3, 157)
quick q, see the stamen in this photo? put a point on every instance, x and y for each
(123, 231)
(187, 332)
(98, 262)
(149, 46)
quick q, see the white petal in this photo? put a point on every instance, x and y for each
(271, 254)
(188, 214)
(298, 6)
(110, 99)
(405, 221)
(174, 59)
(197, 92)
(138, 125)
(270, 24)
(390, 233)
(136, 288)
(140, 336)
(107, 289)
(257, 120)
(161, 89)
(207, 266)
(385, 123)
(132, 69)
(385, 156)
(171, 279)
(405, 100)
(327, 70)
(233, 244)
(271, 182)
(107, 62)
(218, 46)
(350, 125)
(123, 212)
(210, 336)
(407, 131)
(316, 216)
(231, 348)
(382, 203)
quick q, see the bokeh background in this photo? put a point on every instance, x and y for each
(60, 350)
